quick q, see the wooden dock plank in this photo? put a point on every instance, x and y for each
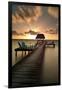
(27, 73)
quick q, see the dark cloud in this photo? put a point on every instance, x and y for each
(22, 34)
(51, 31)
(15, 33)
(31, 32)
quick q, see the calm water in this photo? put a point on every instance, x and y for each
(19, 54)
(50, 65)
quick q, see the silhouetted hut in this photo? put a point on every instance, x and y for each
(40, 36)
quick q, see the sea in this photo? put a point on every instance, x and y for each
(51, 60)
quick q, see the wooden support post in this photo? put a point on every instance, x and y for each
(15, 56)
(28, 52)
(25, 52)
(54, 45)
(22, 54)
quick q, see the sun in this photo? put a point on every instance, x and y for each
(29, 36)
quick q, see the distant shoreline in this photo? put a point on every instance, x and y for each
(33, 39)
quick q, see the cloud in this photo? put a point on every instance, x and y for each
(26, 14)
(16, 19)
(15, 33)
(31, 32)
(51, 31)
(53, 11)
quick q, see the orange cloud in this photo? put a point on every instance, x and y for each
(31, 32)
(16, 19)
(53, 11)
(51, 31)
(17, 34)
(27, 14)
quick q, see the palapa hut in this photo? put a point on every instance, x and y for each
(40, 38)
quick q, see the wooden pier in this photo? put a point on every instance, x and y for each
(28, 72)
(50, 43)
(23, 50)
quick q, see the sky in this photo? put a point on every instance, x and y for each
(28, 21)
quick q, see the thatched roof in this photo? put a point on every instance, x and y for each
(40, 36)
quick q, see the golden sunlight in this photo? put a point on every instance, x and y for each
(29, 36)
(51, 36)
